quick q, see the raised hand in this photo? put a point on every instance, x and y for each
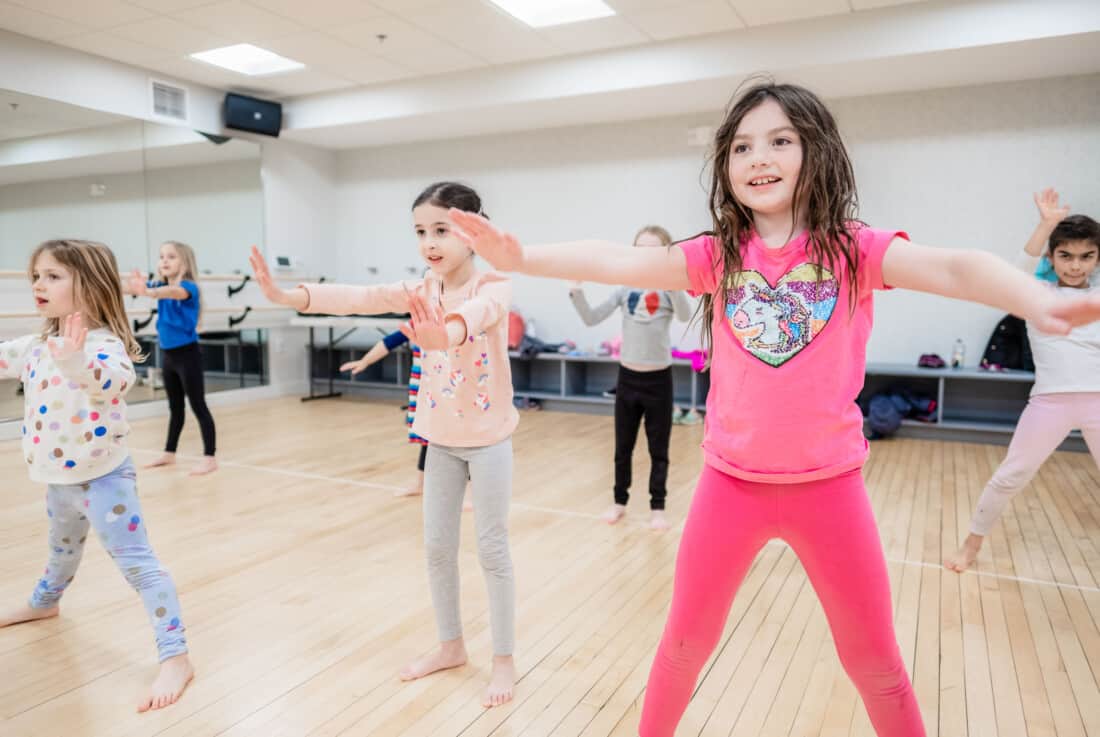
(70, 338)
(1049, 209)
(500, 249)
(265, 281)
(427, 328)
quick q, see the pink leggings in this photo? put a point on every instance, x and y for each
(830, 526)
(1043, 426)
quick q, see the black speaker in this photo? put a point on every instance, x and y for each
(250, 114)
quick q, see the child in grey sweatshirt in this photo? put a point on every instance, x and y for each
(644, 388)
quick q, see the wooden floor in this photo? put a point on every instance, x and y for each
(303, 590)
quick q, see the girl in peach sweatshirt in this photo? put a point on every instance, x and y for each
(464, 410)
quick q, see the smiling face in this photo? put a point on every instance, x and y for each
(1074, 262)
(765, 159)
(53, 286)
(440, 248)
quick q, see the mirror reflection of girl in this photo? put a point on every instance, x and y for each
(179, 307)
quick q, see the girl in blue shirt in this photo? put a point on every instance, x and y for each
(179, 307)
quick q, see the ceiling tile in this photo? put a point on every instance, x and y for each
(106, 44)
(484, 32)
(406, 45)
(169, 6)
(687, 19)
(39, 25)
(625, 7)
(591, 35)
(760, 12)
(319, 14)
(171, 34)
(334, 57)
(90, 13)
(871, 4)
(239, 22)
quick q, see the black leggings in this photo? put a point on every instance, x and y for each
(641, 394)
(183, 377)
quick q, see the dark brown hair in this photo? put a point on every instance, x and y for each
(825, 191)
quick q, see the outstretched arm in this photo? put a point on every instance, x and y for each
(979, 276)
(597, 261)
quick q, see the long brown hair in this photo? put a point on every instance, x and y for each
(826, 190)
(97, 289)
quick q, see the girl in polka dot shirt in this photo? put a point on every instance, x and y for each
(75, 375)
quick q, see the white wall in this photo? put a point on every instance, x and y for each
(953, 167)
(32, 212)
(216, 208)
(300, 214)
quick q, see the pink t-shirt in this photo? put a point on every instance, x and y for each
(465, 396)
(788, 359)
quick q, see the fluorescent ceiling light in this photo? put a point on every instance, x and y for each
(248, 59)
(540, 13)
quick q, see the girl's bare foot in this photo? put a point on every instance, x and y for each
(208, 464)
(175, 673)
(965, 556)
(26, 613)
(616, 513)
(451, 654)
(657, 520)
(165, 459)
(501, 683)
(416, 489)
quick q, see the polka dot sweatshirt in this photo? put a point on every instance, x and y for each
(74, 426)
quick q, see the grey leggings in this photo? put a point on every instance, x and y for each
(490, 472)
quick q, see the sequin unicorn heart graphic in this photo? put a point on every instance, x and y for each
(776, 323)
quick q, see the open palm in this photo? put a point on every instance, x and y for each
(427, 328)
(500, 249)
(264, 279)
(70, 338)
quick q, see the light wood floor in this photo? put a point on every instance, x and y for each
(303, 589)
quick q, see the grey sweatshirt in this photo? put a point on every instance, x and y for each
(647, 316)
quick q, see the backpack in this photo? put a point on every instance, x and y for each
(1008, 346)
(516, 330)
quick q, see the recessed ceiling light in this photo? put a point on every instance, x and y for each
(540, 13)
(248, 59)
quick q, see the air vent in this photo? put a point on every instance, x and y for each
(169, 101)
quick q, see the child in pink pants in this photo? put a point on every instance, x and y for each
(1066, 394)
(787, 278)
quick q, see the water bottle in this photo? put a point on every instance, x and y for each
(958, 355)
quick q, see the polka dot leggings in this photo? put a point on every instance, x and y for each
(110, 506)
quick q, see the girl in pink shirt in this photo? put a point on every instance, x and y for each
(787, 276)
(464, 410)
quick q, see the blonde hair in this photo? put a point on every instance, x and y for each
(657, 230)
(190, 267)
(97, 289)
